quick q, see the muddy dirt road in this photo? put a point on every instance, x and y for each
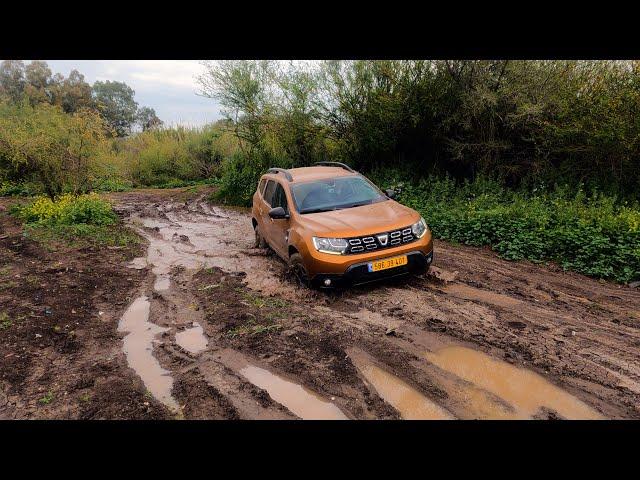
(477, 338)
(215, 328)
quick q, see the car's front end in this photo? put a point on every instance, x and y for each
(342, 260)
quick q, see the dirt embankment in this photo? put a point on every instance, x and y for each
(214, 328)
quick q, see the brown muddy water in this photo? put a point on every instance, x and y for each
(205, 237)
(138, 347)
(524, 391)
(192, 339)
(298, 399)
(410, 403)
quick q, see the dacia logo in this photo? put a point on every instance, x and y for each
(383, 239)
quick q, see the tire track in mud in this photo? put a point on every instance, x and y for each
(537, 325)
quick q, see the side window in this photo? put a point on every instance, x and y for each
(268, 191)
(261, 186)
(280, 199)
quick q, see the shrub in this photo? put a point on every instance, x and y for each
(23, 189)
(239, 179)
(588, 234)
(68, 209)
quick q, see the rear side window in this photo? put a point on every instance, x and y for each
(268, 191)
(280, 199)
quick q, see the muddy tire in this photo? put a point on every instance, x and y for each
(260, 241)
(297, 268)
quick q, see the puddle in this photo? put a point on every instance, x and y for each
(410, 403)
(138, 347)
(298, 399)
(523, 390)
(138, 263)
(192, 339)
(201, 236)
(163, 282)
(470, 293)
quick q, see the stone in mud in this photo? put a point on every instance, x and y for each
(441, 276)
(635, 284)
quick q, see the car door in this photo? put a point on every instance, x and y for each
(279, 228)
(264, 205)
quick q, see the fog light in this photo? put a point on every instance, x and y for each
(327, 282)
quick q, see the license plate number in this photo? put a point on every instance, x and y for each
(387, 263)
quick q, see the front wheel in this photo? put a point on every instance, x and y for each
(296, 265)
(259, 241)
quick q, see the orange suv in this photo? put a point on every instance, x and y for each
(336, 228)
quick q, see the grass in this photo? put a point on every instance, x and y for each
(261, 302)
(5, 321)
(74, 221)
(78, 236)
(252, 328)
(8, 285)
(47, 399)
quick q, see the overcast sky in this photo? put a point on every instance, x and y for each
(168, 86)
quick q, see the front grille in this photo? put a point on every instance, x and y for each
(380, 241)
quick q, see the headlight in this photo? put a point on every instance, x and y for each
(419, 228)
(335, 246)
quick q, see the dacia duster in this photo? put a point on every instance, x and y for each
(335, 228)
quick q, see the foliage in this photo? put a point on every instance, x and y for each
(147, 118)
(68, 209)
(115, 101)
(589, 234)
(43, 144)
(525, 121)
(176, 156)
(24, 189)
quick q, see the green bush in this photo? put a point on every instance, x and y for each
(588, 234)
(239, 179)
(68, 209)
(22, 189)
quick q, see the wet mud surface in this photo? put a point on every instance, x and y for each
(61, 356)
(210, 327)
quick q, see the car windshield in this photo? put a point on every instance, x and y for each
(335, 194)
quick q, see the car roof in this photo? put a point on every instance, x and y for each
(305, 174)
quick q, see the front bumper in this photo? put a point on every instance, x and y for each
(417, 262)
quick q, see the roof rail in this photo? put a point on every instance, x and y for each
(335, 164)
(283, 171)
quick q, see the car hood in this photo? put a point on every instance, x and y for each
(363, 220)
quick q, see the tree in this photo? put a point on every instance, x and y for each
(12, 80)
(115, 102)
(38, 82)
(55, 148)
(72, 93)
(147, 119)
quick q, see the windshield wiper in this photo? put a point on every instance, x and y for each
(317, 210)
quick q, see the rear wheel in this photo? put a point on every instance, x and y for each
(298, 269)
(259, 241)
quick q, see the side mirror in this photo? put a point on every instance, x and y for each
(278, 213)
(391, 193)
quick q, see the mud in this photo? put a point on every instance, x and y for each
(60, 353)
(410, 403)
(525, 392)
(479, 337)
(540, 327)
(192, 339)
(138, 347)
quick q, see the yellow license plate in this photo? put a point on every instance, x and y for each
(386, 263)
